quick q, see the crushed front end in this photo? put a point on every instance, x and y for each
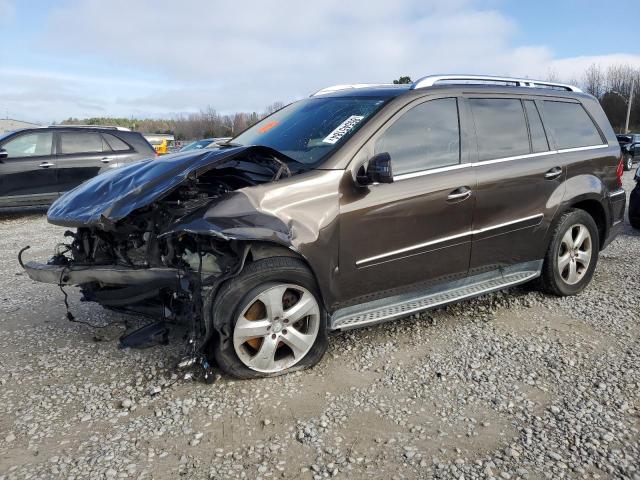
(126, 253)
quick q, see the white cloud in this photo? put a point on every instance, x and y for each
(242, 56)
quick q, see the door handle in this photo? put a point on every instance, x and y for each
(555, 172)
(46, 165)
(105, 159)
(461, 193)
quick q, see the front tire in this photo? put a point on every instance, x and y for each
(572, 254)
(272, 320)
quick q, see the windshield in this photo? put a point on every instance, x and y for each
(310, 129)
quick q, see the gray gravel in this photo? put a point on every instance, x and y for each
(512, 385)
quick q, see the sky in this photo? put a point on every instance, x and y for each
(161, 58)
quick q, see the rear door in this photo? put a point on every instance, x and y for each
(28, 175)
(81, 155)
(520, 182)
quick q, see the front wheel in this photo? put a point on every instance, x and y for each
(572, 254)
(272, 320)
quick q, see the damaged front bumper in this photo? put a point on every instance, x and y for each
(107, 274)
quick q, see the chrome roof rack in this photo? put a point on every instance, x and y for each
(431, 80)
(336, 88)
(107, 127)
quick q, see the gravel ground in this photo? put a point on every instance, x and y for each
(511, 385)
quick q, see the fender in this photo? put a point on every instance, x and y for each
(300, 214)
(584, 190)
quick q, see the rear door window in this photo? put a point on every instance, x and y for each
(36, 144)
(571, 125)
(425, 137)
(501, 127)
(81, 142)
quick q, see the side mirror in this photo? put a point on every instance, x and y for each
(3, 155)
(377, 171)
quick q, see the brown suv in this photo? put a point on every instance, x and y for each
(360, 204)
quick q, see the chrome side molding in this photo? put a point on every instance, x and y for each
(382, 256)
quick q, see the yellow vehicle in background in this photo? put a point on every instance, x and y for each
(162, 143)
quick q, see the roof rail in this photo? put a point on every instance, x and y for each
(108, 127)
(336, 88)
(431, 80)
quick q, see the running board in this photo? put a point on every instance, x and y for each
(390, 308)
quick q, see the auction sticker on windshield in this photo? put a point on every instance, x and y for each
(342, 129)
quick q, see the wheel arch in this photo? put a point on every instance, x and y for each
(591, 204)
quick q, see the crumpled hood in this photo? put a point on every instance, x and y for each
(113, 195)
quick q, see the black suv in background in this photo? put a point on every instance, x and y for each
(630, 146)
(37, 165)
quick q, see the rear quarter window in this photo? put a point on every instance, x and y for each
(115, 143)
(570, 124)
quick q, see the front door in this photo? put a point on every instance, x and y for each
(28, 174)
(414, 232)
(81, 156)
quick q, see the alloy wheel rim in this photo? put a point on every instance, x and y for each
(574, 254)
(277, 328)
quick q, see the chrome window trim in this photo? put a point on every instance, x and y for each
(446, 239)
(420, 173)
(580, 149)
(515, 157)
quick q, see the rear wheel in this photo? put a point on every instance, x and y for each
(272, 319)
(572, 255)
(628, 162)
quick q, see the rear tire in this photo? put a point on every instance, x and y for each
(265, 295)
(572, 255)
(627, 163)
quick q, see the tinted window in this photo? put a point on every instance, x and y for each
(538, 138)
(501, 127)
(570, 124)
(115, 143)
(80, 142)
(427, 136)
(29, 145)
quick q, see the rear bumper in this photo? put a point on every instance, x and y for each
(106, 274)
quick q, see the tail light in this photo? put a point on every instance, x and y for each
(620, 170)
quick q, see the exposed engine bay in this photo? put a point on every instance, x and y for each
(173, 271)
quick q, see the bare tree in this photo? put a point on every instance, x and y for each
(594, 80)
(552, 75)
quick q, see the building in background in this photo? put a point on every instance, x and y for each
(10, 125)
